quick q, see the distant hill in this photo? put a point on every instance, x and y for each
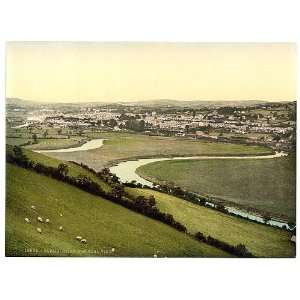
(195, 103)
(20, 102)
(149, 103)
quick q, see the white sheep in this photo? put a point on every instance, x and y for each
(40, 219)
(47, 221)
(61, 215)
(113, 249)
(78, 237)
(27, 220)
(61, 228)
(32, 207)
(83, 241)
(155, 256)
(39, 230)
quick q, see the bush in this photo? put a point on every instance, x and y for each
(200, 236)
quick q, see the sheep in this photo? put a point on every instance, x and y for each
(40, 219)
(113, 249)
(61, 215)
(78, 237)
(27, 220)
(61, 228)
(47, 221)
(39, 230)
(83, 241)
(155, 256)
(32, 207)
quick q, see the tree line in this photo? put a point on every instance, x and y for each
(239, 250)
(140, 204)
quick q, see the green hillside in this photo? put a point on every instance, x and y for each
(74, 169)
(106, 226)
(260, 239)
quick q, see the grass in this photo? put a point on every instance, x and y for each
(261, 240)
(124, 146)
(104, 224)
(266, 185)
(74, 170)
(56, 143)
(14, 141)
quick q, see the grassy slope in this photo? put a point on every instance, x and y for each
(268, 185)
(261, 240)
(105, 225)
(121, 146)
(56, 143)
(74, 170)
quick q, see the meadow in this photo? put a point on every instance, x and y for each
(261, 240)
(110, 230)
(265, 185)
(123, 146)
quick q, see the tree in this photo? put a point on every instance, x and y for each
(200, 236)
(35, 139)
(151, 200)
(267, 218)
(45, 134)
(112, 123)
(63, 169)
(135, 125)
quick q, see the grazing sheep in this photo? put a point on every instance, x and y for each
(83, 241)
(39, 230)
(47, 221)
(32, 207)
(40, 219)
(61, 215)
(113, 249)
(78, 237)
(61, 228)
(27, 220)
(155, 255)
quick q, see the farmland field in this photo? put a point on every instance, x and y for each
(59, 143)
(124, 146)
(105, 225)
(266, 185)
(46, 143)
(260, 239)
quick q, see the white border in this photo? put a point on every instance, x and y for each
(139, 20)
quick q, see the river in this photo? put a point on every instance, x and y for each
(126, 171)
(92, 144)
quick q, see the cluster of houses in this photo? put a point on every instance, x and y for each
(274, 128)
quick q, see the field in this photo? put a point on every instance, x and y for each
(261, 240)
(74, 170)
(105, 225)
(48, 143)
(266, 185)
(121, 146)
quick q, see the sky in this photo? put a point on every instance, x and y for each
(110, 72)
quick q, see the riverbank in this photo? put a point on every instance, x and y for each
(262, 187)
(129, 171)
(132, 164)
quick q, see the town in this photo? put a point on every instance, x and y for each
(269, 124)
